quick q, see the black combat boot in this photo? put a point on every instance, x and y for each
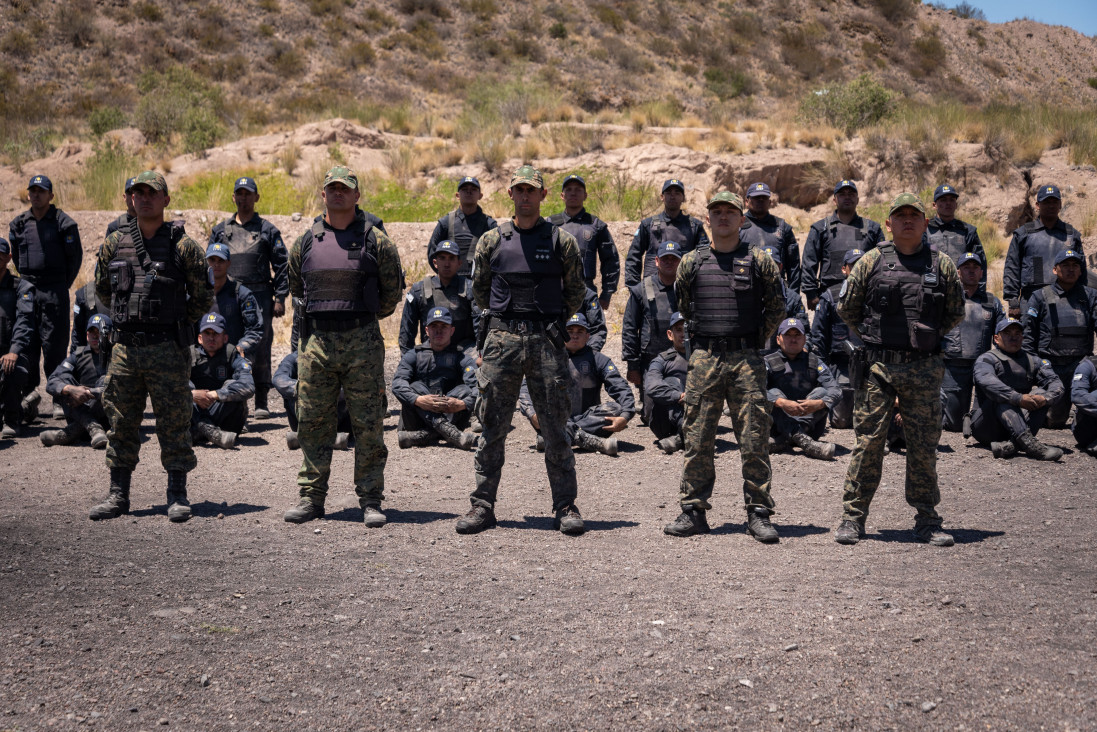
(178, 505)
(292, 442)
(261, 410)
(1003, 450)
(813, 448)
(118, 500)
(67, 435)
(305, 510)
(215, 435)
(568, 521)
(604, 445)
(373, 517)
(415, 438)
(454, 436)
(1028, 444)
(670, 445)
(932, 534)
(760, 528)
(476, 520)
(691, 521)
(30, 406)
(849, 531)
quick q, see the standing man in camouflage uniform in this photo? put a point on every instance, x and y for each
(529, 275)
(257, 251)
(901, 298)
(595, 242)
(463, 225)
(731, 296)
(1032, 250)
(673, 224)
(349, 275)
(952, 236)
(761, 229)
(829, 239)
(45, 243)
(16, 335)
(154, 277)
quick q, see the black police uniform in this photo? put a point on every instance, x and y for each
(85, 305)
(596, 248)
(956, 238)
(83, 367)
(794, 308)
(462, 230)
(229, 374)
(243, 316)
(803, 377)
(429, 293)
(833, 341)
(1001, 379)
(1031, 256)
(774, 232)
(645, 324)
(664, 385)
(17, 305)
(684, 229)
(825, 249)
(422, 371)
(960, 347)
(1083, 395)
(1059, 326)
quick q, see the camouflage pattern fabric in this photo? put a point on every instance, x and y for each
(740, 379)
(354, 362)
(917, 385)
(162, 373)
(507, 358)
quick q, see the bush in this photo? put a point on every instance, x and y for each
(929, 53)
(178, 101)
(105, 174)
(728, 83)
(968, 11)
(1092, 81)
(558, 30)
(76, 22)
(149, 11)
(360, 53)
(104, 119)
(849, 107)
(895, 11)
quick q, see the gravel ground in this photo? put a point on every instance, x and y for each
(237, 620)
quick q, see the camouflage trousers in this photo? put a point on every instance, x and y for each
(162, 373)
(740, 379)
(917, 386)
(507, 357)
(353, 361)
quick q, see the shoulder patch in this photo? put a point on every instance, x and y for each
(68, 365)
(76, 309)
(842, 292)
(821, 368)
(1045, 362)
(1032, 312)
(1078, 377)
(409, 297)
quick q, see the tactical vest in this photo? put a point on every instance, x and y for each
(839, 331)
(211, 372)
(948, 241)
(440, 370)
(227, 303)
(156, 297)
(759, 236)
(250, 262)
(842, 238)
(527, 272)
(463, 236)
(586, 381)
(584, 234)
(41, 259)
(975, 333)
(727, 302)
(1041, 246)
(905, 301)
(660, 307)
(662, 230)
(91, 300)
(339, 280)
(1019, 370)
(795, 378)
(460, 307)
(1071, 328)
(9, 300)
(677, 366)
(87, 367)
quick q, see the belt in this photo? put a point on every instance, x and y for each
(519, 326)
(339, 326)
(137, 338)
(877, 355)
(725, 344)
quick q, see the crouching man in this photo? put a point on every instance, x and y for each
(665, 389)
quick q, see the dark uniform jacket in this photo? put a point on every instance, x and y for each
(84, 305)
(1031, 256)
(646, 321)
(668, 364)
(975, 333)
(428, 293)
(51, 252)
(1083, 388)
(956, 238)
(596, 320)
(1061, 330)
(272, 256)
(683, 228)
(775, 232)
(285, 376)
(16, 314)
(1004, 378)
(590, 371)
(226, 372)
(84, 367)
(795, 378)
(440, 371)
(596, 247)
(243, 316)
(476, 223)
(829, 333)
(821, 267)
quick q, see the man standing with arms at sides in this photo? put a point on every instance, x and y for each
(731, 296)
(901, 298)
(673, 224)
(767, 230)
(529, 276)
(463, 225)
(595, 242)
(349, 275)
(45, 244)
(154, 277)
(829, 239)
(651, 303)
(257, 249)
(1032, 251)
(127, 198)
(952, 236)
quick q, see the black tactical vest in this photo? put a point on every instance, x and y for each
(1019, 370)
(662, 230)
(948, 241)
(762, 233)
(727, 296)
(839, 331)
(41, 258)
(465, 239)
(460, 307)
(1070, 325)
(227, 303)
(87, 366)
(1041, 246)
(905, 301)
(586, 381)
(677, 367)
(527, 272)
(439, 370)
(975, 333)
(842, 238)
(794, 377)
(211, 372)
(154, 297)
(660, 306)
(338, 279)
(584, 234)
(250, 262)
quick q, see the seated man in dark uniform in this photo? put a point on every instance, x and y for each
(592, 422)
(833, 341)
(665, 389)
(221, 384)
(435, 383)
(802, 390)
(1083, 394)
(78, 385)
(236, 303)
(1014, 391)
(17, 324)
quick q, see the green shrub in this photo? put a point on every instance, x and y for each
(286, 60)
(849, 107)
(1092, 81)
(149, 11)
(104, 119)
(105, 174)
(968, 11)
(929, 53)
(801, 48)
(558, 30)
(895, 11)
(482, 9)
(178, 101)
(608, 16)
(437, 8)
(728, 83)
(359, 54)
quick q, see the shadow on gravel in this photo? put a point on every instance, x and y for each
(795, 531)
(544, 523)
(725, 446)
(253, 439)
(205, 509)
(962, 536)
(945, 449)
(395, 516)
(629, 447)
(258, 428)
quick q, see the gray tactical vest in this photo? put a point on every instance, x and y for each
(975, 333)
(795, 378)
(905, 301)
(339, 280)
(584, 234)
(1040, 246)
(1019, 370)
(460, 307)
(250, 262)
(1071, 328)
(586, 381)
(727, 302)
(842, 238)
(439, 370)
(527, 272)
(660, 306)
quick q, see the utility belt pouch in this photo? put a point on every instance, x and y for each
(121, 277)
(555, 335)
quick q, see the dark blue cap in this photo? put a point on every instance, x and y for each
(1048, 192)
(439, 315)
(576, 178)
(758, 189)
(774, 254)
(844, 183)
(1004, 323)
(945, 190)
(1069, 254)
(100, 321)
(5, 248)
(446, 247)
(673, 183)
(40, 181)
(212, 321)
(788, 324)
(246, 183)
(676, 318)
(852, 256)
(578, 319)
(969, 257)
(218, 249)
(672, 248)
(130, 183)
(468, 179)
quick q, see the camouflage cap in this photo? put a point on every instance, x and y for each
(341, 174)
(725, 197)
(906, 199)
(529, 175)
(152, 179)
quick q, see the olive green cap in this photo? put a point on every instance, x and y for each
(341, 174)
(529, 175)
(906, 199)
(152, 179)
(726, 197)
